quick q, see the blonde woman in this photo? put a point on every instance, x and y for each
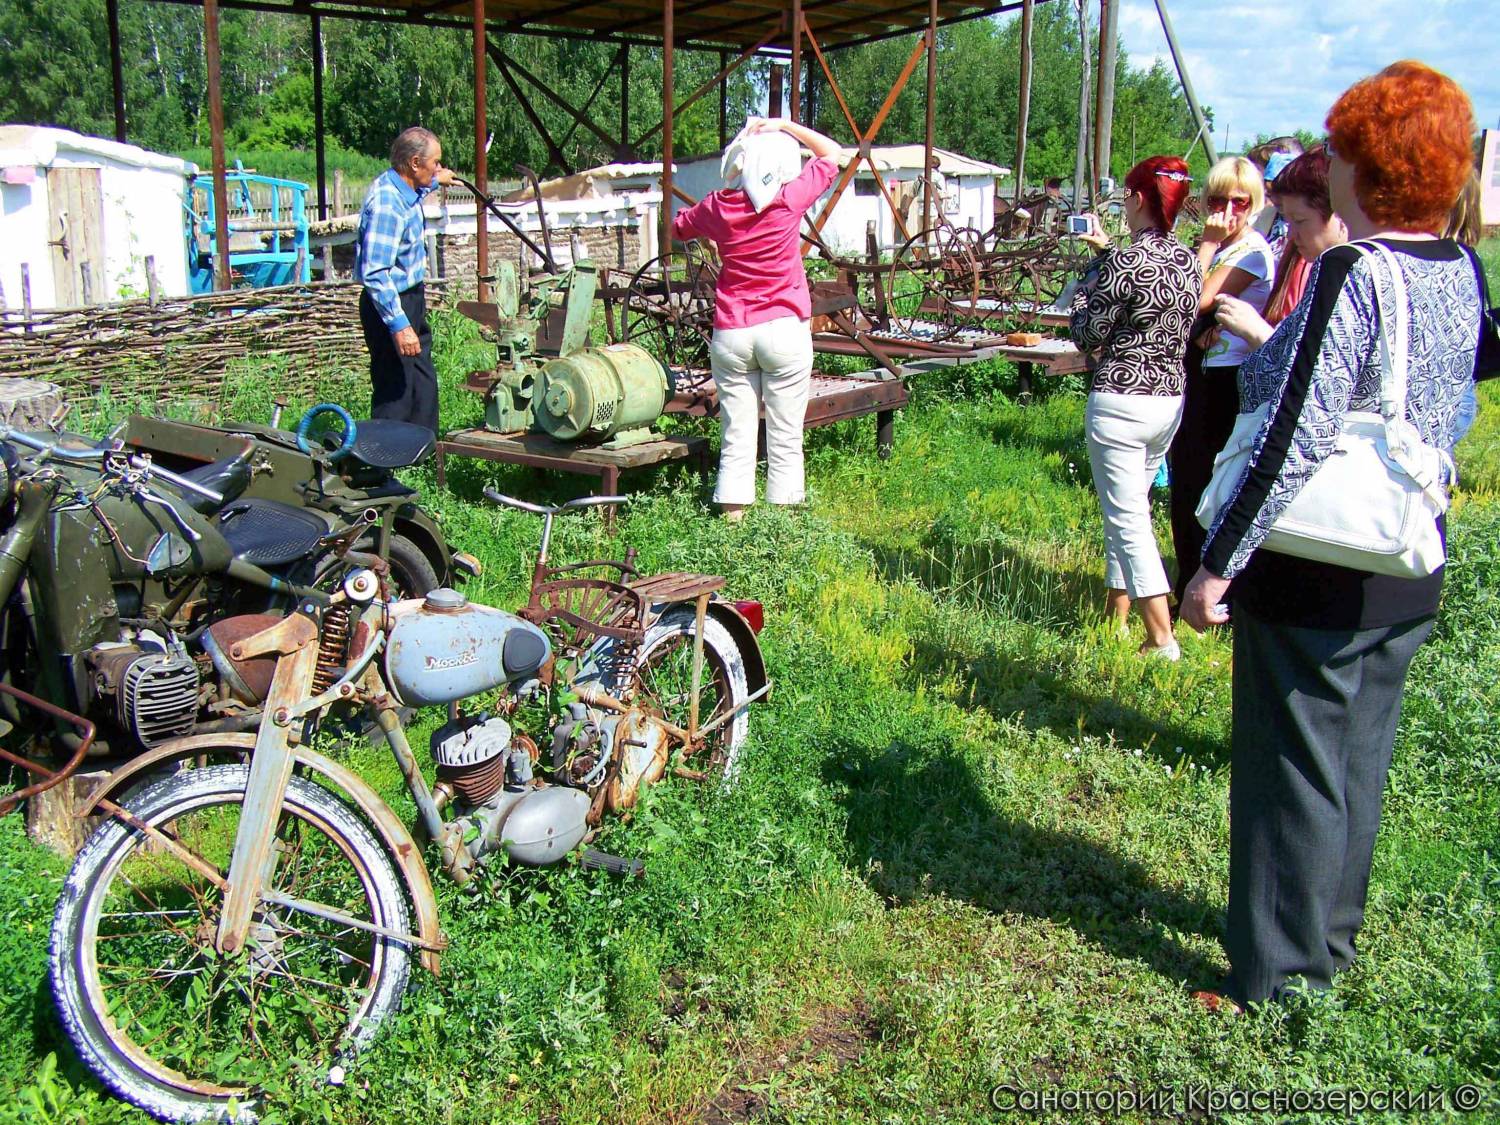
(1236, 261)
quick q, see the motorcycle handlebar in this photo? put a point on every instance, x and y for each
(140, 464)
(543, 510)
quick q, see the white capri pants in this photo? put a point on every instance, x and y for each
(766, 366)
(1128, 437)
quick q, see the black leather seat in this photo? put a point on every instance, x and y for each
(228, 476)
(269, 533)
(385, 443)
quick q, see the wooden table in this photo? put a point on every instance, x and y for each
(830, 399)
(541, 452)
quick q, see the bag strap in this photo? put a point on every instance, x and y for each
(1395, 333)
(1395, 358)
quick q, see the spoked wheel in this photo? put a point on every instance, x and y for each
(933, 283)
(664, 682)
(176, 1027)
(669, 307)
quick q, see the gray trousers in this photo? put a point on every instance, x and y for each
(1315, 713)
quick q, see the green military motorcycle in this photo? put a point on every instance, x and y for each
(330, 469)
(116, 567)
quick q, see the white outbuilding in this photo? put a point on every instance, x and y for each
(84, 213)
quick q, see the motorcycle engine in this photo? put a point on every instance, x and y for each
(150, 688)
(499, 805)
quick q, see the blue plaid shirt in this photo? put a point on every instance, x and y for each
(389, 257)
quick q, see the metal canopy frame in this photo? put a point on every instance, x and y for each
(735, 30)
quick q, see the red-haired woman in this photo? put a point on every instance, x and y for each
(1321, 651)
(1302, 191)
(1134, 309)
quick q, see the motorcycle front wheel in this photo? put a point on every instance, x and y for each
(181, 1030)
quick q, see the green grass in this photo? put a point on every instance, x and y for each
(976, 840)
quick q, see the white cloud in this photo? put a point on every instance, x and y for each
(1272, 66)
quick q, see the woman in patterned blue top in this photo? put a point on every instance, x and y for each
(1321, 651)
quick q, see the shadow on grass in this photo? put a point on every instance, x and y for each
(1059, 700)
(920, 824)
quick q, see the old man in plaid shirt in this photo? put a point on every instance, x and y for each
(391, 262)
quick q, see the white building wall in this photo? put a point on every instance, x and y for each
(142, 215)
(23, 238)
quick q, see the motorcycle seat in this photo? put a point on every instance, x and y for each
(228, 476)
(386, 443)
(269, 533)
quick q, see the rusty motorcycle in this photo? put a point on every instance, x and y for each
(251, 900)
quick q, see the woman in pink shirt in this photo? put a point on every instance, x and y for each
(762, 345)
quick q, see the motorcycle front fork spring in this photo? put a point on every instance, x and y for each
(333, 647)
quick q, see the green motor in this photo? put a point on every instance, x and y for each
(610, 395)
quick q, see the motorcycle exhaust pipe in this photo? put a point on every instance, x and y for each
(594, 860)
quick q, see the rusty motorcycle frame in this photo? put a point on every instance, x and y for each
(250, 896)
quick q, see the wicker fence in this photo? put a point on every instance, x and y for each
(184, 346)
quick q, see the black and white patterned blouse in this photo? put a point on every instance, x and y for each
(1323, 361)
(1134, 309)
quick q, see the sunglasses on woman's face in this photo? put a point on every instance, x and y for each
(1220, 202)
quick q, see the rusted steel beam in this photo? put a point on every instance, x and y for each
(723, 76)
(481, 153)
(216, 143)
(624, 151)
(901, 32)
(554, 97)
(773, 97)
(927, 167)
(669, 99)
(116, 65)
(866, 138)
(555, 154)
(319, 153)
(724, 101)
(797, 28)
(863, 140)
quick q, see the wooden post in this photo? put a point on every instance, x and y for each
(338, 191)
(216, 142)
(327, 261)
(86, 279)
(302, 267)
(927, 164)
(318, 146)
(669, 101)
(1081, 155)
(794, 90)
(773, 98)
(1104, 104)
(481, 156)
(153, 283)
(116, 65)
(26, 294)
(1025, 107)
(1187, 87)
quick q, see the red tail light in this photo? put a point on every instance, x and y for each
(754, 613)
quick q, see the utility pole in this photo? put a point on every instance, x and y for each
(1104, 108)
(1187, 85)
(1080, 161)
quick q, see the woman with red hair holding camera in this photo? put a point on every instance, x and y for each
(1134, 309)
(1321, 651)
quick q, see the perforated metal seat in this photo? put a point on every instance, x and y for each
(385, 443)
(269, 533)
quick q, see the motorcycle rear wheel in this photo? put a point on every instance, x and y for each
(181, 1031)
(664, 670)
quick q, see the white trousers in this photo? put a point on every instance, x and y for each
(1128, 437)
(764, 367)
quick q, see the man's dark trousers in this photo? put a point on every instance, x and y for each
(403, 387)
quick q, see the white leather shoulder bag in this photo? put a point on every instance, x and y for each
(1373, 503)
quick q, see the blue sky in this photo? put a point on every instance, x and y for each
(1271, 66)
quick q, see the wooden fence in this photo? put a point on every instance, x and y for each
(184, 346)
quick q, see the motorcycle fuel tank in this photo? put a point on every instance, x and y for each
(443, 648)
